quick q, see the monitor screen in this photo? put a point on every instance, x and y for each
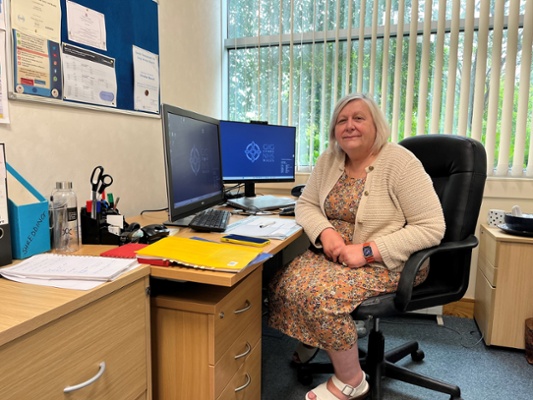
(257, 152)
(192, 163)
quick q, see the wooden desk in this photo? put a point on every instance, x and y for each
(202, 276)
(52, 338)
(504, 285)
(206, 332)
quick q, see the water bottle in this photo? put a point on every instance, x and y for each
(64, 206)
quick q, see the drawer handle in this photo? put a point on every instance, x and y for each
(246, 308)
(248, 381)
(246, 352)
(88, 382)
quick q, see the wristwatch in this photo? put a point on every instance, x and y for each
(368, 253)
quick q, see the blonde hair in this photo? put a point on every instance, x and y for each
(381, 125)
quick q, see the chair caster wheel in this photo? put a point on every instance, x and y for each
(418, 355)
(452, 397)
(304, 378)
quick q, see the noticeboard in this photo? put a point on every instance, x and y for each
(118, 34)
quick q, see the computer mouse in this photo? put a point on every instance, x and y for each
(287, 211)
(297, 190)
(134, 226)
(154, 232)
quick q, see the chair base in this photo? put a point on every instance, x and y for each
(377, 364)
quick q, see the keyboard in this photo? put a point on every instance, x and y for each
(210, 220)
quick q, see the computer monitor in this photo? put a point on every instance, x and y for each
(257, 153)
(192, 163)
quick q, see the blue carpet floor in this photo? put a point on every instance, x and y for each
(455, 353)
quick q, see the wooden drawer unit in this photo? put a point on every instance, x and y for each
(108, 335)
(207, 340)
(504, 287)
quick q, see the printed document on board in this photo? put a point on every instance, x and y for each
(88, 77)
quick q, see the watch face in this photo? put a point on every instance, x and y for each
(367, 251)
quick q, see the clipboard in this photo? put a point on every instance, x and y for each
(6, 255)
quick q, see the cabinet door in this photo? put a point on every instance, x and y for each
(483, 312)
(69, 351)
(512, 298)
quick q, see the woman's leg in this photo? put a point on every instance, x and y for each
(346, 365)
(347, 370)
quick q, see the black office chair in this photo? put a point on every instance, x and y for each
(457, 166)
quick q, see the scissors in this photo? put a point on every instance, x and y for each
(99, 182)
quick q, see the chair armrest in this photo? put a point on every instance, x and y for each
(415, 262)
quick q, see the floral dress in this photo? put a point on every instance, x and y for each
(311, 298)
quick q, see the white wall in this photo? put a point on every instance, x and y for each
(47, 143)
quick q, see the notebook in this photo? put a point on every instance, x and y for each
(198, 254)
(261, 203)
(126, 251)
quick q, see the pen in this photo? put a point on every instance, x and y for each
(116, 203)
(111, 200)
(265, 225)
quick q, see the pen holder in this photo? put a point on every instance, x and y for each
(95, 231)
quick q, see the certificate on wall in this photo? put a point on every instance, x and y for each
(2, 15)
(146, 87)
(4, 109)
(86, 26)
(37, 17)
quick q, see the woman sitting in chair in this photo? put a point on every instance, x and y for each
(368, 205)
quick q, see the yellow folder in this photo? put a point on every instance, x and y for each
(200, 253)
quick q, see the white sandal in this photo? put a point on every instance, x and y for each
(355, 393)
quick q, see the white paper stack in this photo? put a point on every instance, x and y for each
(67, 271)
(264, 227)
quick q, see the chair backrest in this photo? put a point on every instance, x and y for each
(458, 167)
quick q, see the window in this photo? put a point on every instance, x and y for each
(443, 66)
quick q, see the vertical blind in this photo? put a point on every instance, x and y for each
(435, 66)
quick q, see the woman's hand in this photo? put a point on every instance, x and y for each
(352, 255)
(332, 243)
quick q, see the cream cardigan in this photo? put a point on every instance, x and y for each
(399, 209)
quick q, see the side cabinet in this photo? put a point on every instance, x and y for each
(504, 287)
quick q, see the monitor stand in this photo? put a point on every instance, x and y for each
(252, 203)
(261, 203)
(249, 189)
(185, 221)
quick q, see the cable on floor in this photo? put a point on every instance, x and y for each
(472, 332)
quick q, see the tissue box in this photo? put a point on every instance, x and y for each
(28, 217)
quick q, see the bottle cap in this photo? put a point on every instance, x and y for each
(64, 185)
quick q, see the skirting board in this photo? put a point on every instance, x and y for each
(463, 308)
